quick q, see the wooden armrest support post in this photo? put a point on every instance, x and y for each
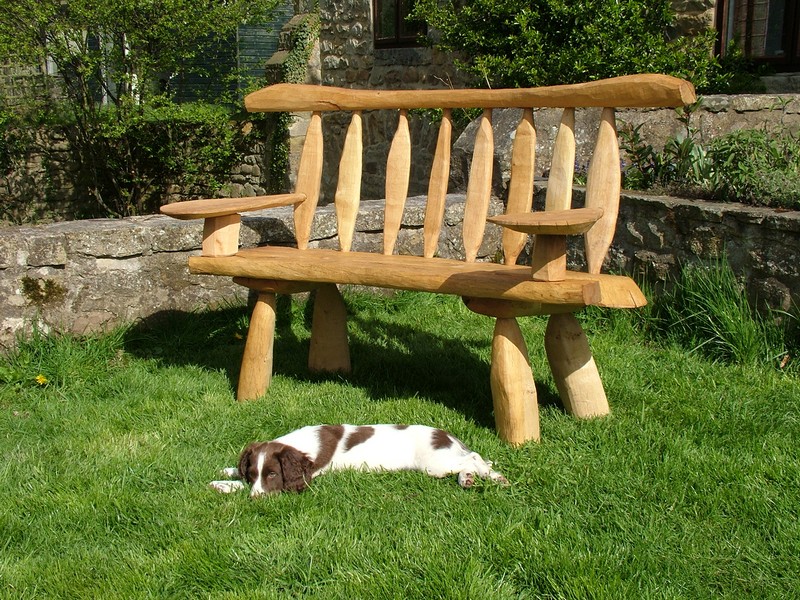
(551, 228)
(222, 218)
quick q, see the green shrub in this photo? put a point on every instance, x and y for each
(508, 43)
(757, 167)
(752, 166)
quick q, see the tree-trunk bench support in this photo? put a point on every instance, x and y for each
(502, 291)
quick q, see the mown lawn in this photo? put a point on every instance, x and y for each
(690, 489)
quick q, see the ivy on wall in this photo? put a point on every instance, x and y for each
(293, 70)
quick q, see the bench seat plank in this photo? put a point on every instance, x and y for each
(440, 275)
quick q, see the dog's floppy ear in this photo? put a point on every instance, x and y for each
(245, 458)
(297, 469)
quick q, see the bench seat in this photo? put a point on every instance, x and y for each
(416, 273)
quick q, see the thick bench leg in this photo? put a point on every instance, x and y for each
(573, 367)
(256, 372)
(329, 350)
(516, 410)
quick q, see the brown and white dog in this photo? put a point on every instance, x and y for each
(290, 462)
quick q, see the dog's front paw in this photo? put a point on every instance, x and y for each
(230, 473)
(466, 480)
(226, 487)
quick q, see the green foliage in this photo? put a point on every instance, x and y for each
(757, 167)
(14, 141)
(707, 311)
(507, 43)
(753, 166)
(190, 145)
(303, 37)
(111, 61)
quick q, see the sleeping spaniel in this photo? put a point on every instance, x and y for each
(290, 462)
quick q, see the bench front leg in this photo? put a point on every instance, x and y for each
(574, 370)
(329, 350)
(516, 409)
(256, 371)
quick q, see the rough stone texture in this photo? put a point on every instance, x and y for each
(87, 276)
(692, 16)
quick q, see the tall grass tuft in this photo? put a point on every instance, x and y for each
(707, 311)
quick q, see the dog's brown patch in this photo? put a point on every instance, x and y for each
(441, 439)
(329, 438)
(359, 436)
(401, 427)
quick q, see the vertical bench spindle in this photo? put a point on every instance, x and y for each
(348, 191)
(437, 186)
(479, 188)
(398, 171)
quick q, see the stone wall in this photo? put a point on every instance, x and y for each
(86, 276)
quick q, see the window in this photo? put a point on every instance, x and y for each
(768, 31)
(391, 25)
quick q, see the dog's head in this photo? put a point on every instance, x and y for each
(271, 467)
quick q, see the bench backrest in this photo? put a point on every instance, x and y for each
(603, 178)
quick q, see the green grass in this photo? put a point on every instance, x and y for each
(689, 489)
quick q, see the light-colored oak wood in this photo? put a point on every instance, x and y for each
(573, 367)
(507, 309)
(550, 222)
(634, 91)
(549, 260)
(398, 171)
(479, 188)
(221, 235)
(562, 165)
(348, 190)
(603, 182)
(516, 411)
(520, 188)
(220, 207)
(437, 186)
(447, 276)
(275, 286)
(309, 179)
(256, 371)
(329, 350)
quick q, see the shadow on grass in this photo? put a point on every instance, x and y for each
(389, 359)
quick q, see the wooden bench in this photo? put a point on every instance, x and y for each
(502, 291)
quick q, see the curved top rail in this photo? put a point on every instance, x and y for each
(629, 91)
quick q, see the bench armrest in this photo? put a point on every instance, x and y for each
(222, 219)
(220, 207)
(551, 222)
(551, 227)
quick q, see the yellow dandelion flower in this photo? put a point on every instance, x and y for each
(41, 379)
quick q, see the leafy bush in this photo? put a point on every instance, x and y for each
(757, 167)
(508, 43)
(190, 145)
(753, 166)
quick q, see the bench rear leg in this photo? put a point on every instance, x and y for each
(516, 409)
(574, 370)
(329, 350)
(256, 371)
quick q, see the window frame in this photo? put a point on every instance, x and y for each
(399, 40)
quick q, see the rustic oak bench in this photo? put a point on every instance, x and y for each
(502, 291)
